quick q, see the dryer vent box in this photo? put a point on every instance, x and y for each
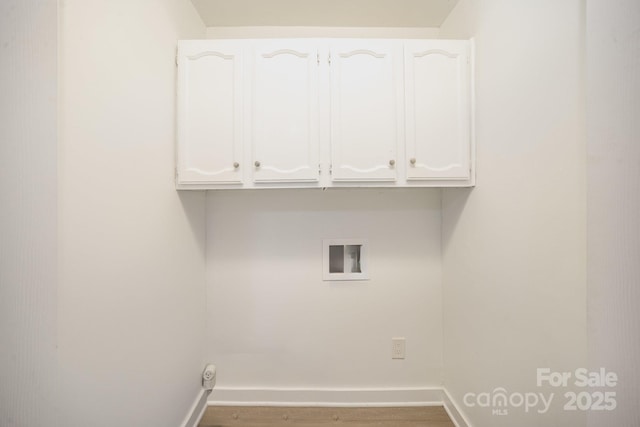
(345, 259)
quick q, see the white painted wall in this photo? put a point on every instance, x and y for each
(321, 32)
(273, 322)
(327, 13)
(514, 257)
(613, 194)
(132, 273)
(28, 222)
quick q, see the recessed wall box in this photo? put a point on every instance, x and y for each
(345, 259)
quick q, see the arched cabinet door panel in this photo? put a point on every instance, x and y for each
(284, 128)
(366, 90)
(437, 105)
(209, 112)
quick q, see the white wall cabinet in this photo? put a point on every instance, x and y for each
(210, 113)
(284, 105)
(287, 113)
(438, 110)
(366, 101)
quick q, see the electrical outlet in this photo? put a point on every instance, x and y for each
(397, 347)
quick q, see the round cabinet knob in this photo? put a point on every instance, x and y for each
(392, 162)
(257, 163)
(413, 161)
(236, 165)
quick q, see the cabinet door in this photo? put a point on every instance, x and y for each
(365, 99)
(284, 124)
(209, 112)
(437, 92)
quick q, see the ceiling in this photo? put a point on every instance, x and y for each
(324, 13)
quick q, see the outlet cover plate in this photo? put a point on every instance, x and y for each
(398, 347)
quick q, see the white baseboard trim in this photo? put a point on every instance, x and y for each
(197, 410)
(453, 409)
(338, 397)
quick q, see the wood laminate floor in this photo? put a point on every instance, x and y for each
(254, 416)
